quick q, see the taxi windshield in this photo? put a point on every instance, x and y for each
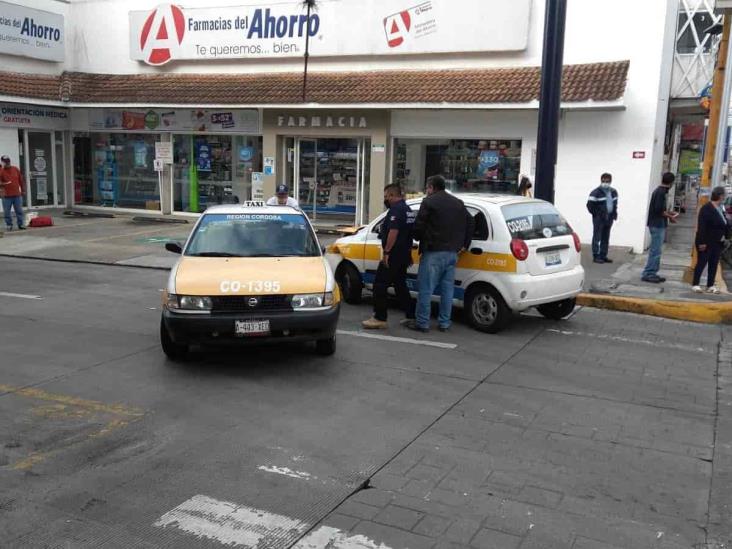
(533, 220)
(253, 235)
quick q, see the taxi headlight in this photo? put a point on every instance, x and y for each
(312, 301)
(195, 303)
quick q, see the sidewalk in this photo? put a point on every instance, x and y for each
(136, 240)
(623, 277)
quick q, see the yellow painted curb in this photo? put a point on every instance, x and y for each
(693, 311)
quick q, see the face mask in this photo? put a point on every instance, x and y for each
(605, 185)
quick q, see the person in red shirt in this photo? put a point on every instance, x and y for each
(12, 187)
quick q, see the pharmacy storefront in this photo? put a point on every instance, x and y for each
(334, 162)
(216, 156)
(34, 137)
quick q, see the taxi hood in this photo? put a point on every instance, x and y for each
(250, 276)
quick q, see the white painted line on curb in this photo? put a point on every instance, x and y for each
(20, 296)
(657, 343)
(286, 471)
(228, 523)
(399, 339)
(332, 538)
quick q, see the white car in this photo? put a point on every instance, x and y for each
(523, 254)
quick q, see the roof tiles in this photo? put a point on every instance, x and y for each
(588, 82)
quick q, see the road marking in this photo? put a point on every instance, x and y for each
(286, 471)
(326, 537)
(62, 403)
(656, 343)
(20, 296)
(229, 523)
(399, 339)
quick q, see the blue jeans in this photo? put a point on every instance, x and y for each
(15, 202)
(436, 271)
(654, 252)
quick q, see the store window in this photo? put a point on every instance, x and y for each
(468, 165)
(116, 170)
(213, 169)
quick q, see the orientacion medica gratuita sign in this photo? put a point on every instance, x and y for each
(27, 32)
(269, 29)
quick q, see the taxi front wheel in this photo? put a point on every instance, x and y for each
(349, 280)
(485, 309)
(326, 347)
(173, 350)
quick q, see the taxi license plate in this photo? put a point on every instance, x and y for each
(550, 260)
(251, 327)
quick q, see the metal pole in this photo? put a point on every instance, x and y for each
(719, 149)
(550, 99)
(307, 52)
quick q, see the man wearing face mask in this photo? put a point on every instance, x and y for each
(396, 242)
(603, 206)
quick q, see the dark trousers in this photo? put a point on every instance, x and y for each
(600, 237)
(394, 275)
(708, 258)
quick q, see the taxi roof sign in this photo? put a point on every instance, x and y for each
(254, 204)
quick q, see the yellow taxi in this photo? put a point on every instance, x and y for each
(249, 274)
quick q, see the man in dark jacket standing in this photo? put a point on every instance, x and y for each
(711, 231)
(659, 217)
(396, 244)
(444, 228)
(603, 206)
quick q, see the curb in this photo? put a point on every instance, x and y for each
(693, 311)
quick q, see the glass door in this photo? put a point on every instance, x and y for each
(330, 177)
(42, 170)
(306, 180)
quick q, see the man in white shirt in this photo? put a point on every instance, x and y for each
(282, 198)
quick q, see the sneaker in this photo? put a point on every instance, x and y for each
(405, 321)
(598, 260)
(375, 324)
(444, 329)
(713, 290)
(412, 325)
(22, 228)
(607, 260)
(654, 279)
(696, 289)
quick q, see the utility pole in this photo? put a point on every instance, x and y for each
(309, 5)
(550, 99)
(716, 128)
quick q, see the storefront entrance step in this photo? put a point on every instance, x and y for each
(166, 219)
(77, 213)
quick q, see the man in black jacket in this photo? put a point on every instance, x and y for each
(603, 206)
(444, 228)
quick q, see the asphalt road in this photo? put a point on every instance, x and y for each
(105, 443)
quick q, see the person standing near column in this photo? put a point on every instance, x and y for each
(13, 187)
(603, 206)
(710, 233)
(658, 218)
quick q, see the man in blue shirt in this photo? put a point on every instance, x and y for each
(603, 206)
(396, 242)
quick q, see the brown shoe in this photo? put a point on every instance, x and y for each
(375, 324)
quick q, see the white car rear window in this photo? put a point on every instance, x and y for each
(534, 220)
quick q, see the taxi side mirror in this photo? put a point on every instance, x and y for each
(174, 247)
